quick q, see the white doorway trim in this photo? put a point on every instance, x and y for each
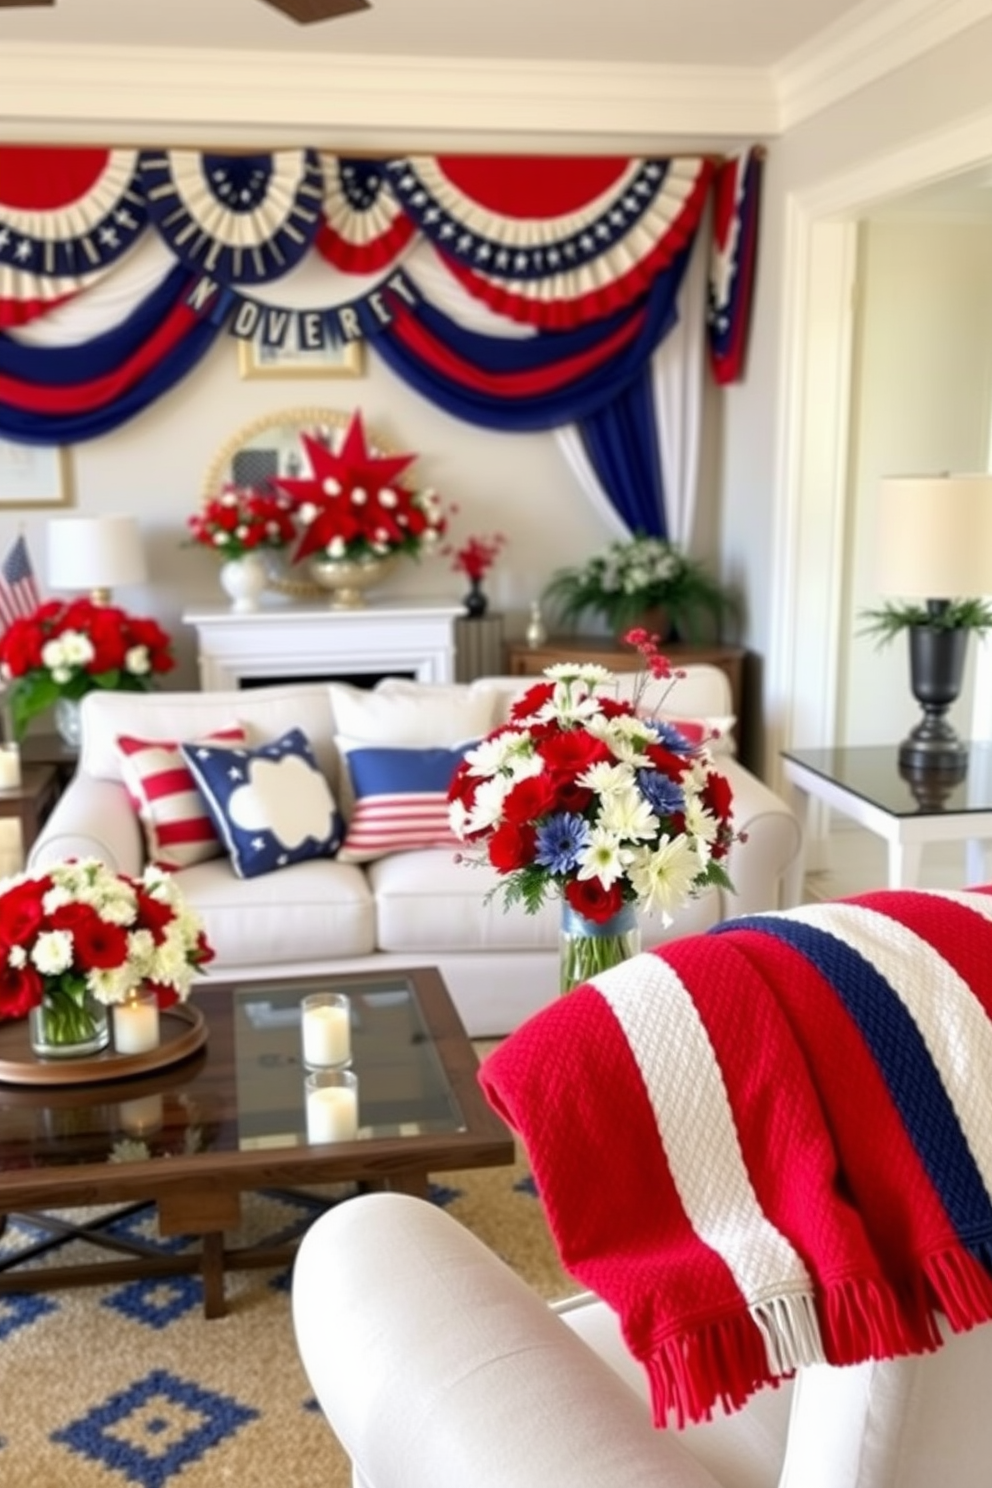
(812, 459)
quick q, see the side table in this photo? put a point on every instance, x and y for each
(31, 801)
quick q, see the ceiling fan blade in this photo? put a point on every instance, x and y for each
(22, 4)
(306, 11)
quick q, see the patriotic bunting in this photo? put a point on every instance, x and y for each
(574, 258)
(732, 262)
(246, 218)
(66, 217)
(570, 268)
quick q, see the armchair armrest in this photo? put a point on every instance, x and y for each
(93, 819)
(437, 1367)
(761, 866)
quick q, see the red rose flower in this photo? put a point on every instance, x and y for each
(23, 914)
(530, 798)
(573, 751)
(512, 846)
(588, 897)
(21, 989)
(95, 942)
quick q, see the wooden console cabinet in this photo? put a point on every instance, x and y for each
(530, 661)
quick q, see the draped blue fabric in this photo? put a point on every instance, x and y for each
(621, 440)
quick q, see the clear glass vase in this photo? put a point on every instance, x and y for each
(68, 1025)
(587, 948)
(68, 722)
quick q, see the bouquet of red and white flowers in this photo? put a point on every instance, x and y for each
(68, 648)
(580, 796)
(243, 520)
(81, 932)
(353, 505)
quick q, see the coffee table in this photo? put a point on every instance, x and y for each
(865, 784)
(195, 1135)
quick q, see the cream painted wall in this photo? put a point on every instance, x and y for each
(923, 381)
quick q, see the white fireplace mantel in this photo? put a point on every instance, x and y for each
(407, 638)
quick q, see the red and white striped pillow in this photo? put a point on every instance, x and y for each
(177, 825)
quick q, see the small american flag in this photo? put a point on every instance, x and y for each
(19, 594)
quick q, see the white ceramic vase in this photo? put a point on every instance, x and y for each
(243, 580)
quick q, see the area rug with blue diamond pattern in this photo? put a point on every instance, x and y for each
(109, 1385)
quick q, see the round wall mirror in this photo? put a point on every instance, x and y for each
(270, 446)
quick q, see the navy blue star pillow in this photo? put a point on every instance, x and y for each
(270, 804)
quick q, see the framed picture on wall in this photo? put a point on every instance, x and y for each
(257, 360)
(34, 475)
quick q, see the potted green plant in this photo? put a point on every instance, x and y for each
(644, 581)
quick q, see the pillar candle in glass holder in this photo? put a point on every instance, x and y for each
(136, 1023)
(332, 1105)
(326, 1026)
(10, 767)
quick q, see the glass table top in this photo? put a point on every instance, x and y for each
(872, 772)
(244, 1091)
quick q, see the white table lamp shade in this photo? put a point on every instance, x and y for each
(95, 553)
(934, 536)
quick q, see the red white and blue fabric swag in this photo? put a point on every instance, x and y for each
(771, 1145)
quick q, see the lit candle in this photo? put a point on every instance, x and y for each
(142, 1116)
(326, 1030)
(332, 1113)
(136, 1024)
(10, 767)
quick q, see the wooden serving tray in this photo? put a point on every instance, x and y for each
(182, 1030)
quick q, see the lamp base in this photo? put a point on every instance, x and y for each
(933, 745)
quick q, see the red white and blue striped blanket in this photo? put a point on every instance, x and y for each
(771, 1144)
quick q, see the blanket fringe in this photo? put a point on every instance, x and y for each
(862, 1319)
(962, 1286)
(719, 1362)
(791, 1331)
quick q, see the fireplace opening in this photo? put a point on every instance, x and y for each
(357, 679)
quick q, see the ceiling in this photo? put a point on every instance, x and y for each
(690, 33)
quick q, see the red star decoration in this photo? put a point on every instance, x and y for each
(336, 475)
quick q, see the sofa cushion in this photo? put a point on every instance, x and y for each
(432, 903)
(270, 804)
(411, 715)
(178, 828)
(399, 798)
(318, 911)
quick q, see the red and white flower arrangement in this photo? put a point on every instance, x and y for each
(67, 648)
(353, 505)
(80, 931)
(581, 796)
(243, 520)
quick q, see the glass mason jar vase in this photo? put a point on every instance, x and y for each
(586, 948)
(68, 1025)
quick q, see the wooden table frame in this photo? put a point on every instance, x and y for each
(200, 1193)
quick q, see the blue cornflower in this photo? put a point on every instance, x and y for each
(671, 736)
(560, 840)
(666, 797)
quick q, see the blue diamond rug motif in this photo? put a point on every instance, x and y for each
(155, 1428)
(157, 1301)
(21, 1311)
(142, 1226)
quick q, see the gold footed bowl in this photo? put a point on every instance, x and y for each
(346, 579)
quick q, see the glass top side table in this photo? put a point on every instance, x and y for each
(865, 784)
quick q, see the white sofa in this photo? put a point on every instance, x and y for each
(410, 908)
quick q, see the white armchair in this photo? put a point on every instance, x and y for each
(438, 1368)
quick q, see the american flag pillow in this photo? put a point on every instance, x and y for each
(400, 799)
(177, 825)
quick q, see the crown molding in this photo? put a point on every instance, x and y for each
(155, 96)
(864, 47)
